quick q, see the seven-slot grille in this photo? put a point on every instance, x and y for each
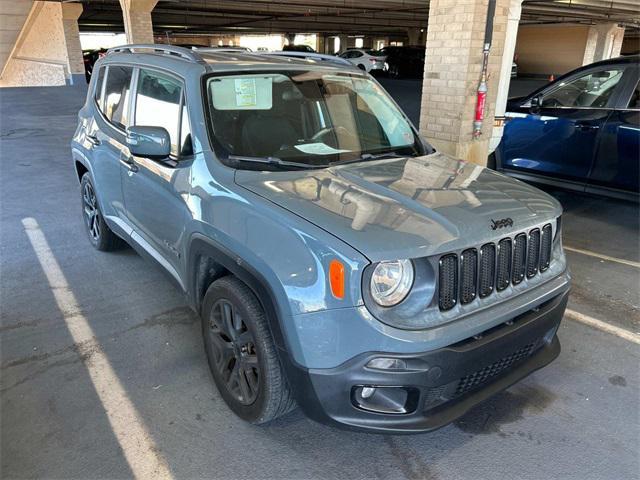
(493, 267)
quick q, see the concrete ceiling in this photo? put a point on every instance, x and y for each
(382, 17)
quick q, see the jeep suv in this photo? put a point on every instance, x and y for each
(337, 261)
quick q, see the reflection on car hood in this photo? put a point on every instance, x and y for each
(406, 207)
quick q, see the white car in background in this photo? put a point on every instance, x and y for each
(364, 58)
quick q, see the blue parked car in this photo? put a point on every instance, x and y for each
(580, 132)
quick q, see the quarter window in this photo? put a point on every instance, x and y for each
(158, 104)
(117, 94)
(98, 91)
(588, 91)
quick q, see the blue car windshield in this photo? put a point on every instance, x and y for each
(306, 117)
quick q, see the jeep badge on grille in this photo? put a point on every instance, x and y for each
(503, 222)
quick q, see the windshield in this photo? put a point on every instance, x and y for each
(307, 117)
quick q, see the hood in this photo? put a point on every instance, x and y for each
(406, 207)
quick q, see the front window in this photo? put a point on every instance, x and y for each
(307, 117)
(588, 91)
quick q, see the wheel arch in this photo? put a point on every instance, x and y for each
(208, 260)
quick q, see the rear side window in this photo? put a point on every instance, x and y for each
(98, 91)
(158, 104)
(117, 94)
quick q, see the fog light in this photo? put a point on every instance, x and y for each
(394, 400)
(385, 363)
(367, 392)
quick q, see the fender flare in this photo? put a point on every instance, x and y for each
(233, 263)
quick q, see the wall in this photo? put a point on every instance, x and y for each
(40, 55)
(550, 49)
(13, 14)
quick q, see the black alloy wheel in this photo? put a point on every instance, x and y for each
(234, 352)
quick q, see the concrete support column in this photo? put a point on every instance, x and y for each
(511, 34)
(603, 41)
(455, 38)
(344, 40)
(137, 20)
(70, 14)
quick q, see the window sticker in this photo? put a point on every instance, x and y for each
(242, 93)
(318, 148)
(245, 92)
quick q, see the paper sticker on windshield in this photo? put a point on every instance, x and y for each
(318, 148)
(245, 92)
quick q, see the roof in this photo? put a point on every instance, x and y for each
(182, 59)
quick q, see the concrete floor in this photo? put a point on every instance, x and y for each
(577, 418)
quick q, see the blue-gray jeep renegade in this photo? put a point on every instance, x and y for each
(337, 261)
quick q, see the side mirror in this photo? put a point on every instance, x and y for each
(149, 142)
(536, 103)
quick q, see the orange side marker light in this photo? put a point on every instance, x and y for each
(336, 278)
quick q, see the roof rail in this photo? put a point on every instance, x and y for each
(181, 52)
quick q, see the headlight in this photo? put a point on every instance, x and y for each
(391, 282)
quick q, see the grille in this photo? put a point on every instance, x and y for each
(487, 269)
(519, 258)
(468, 275)
(448, 282)
(533, 254)
(477, 378)
(504, 264)
(545, 248)
(480, 273)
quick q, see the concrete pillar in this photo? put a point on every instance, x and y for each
(344, 42)
(321, 41)
(137, 20)
(70, 14)
(603, 41)
(455, 38)
(511, 34)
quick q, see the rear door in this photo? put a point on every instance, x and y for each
(106, 139)
(155, 191)
(617, 162)
(559, 140)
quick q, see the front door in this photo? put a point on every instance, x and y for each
(155, 191)
(560, 138)
(617, 163)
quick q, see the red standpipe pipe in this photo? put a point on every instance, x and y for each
(481, 95)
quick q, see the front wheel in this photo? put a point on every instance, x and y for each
(241, 353)
(100, 235)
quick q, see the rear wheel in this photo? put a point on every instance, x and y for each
(241, 353)
(99, 233)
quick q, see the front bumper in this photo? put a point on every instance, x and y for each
(439, 386)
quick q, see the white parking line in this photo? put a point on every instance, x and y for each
(603, 257)
(134, 439)
(603, 326)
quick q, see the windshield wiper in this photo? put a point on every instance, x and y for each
(275, 161)
(379, 156)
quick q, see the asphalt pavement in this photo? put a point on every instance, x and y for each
(577, 418)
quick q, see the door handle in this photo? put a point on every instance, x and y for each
(127, 161)
(587, 126)
(93, 140)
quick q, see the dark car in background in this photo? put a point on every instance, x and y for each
(404, 62)
(580, 132)
(90, 57)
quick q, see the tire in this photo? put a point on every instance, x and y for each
(241, 353)
(99, 233)
(394, 71)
